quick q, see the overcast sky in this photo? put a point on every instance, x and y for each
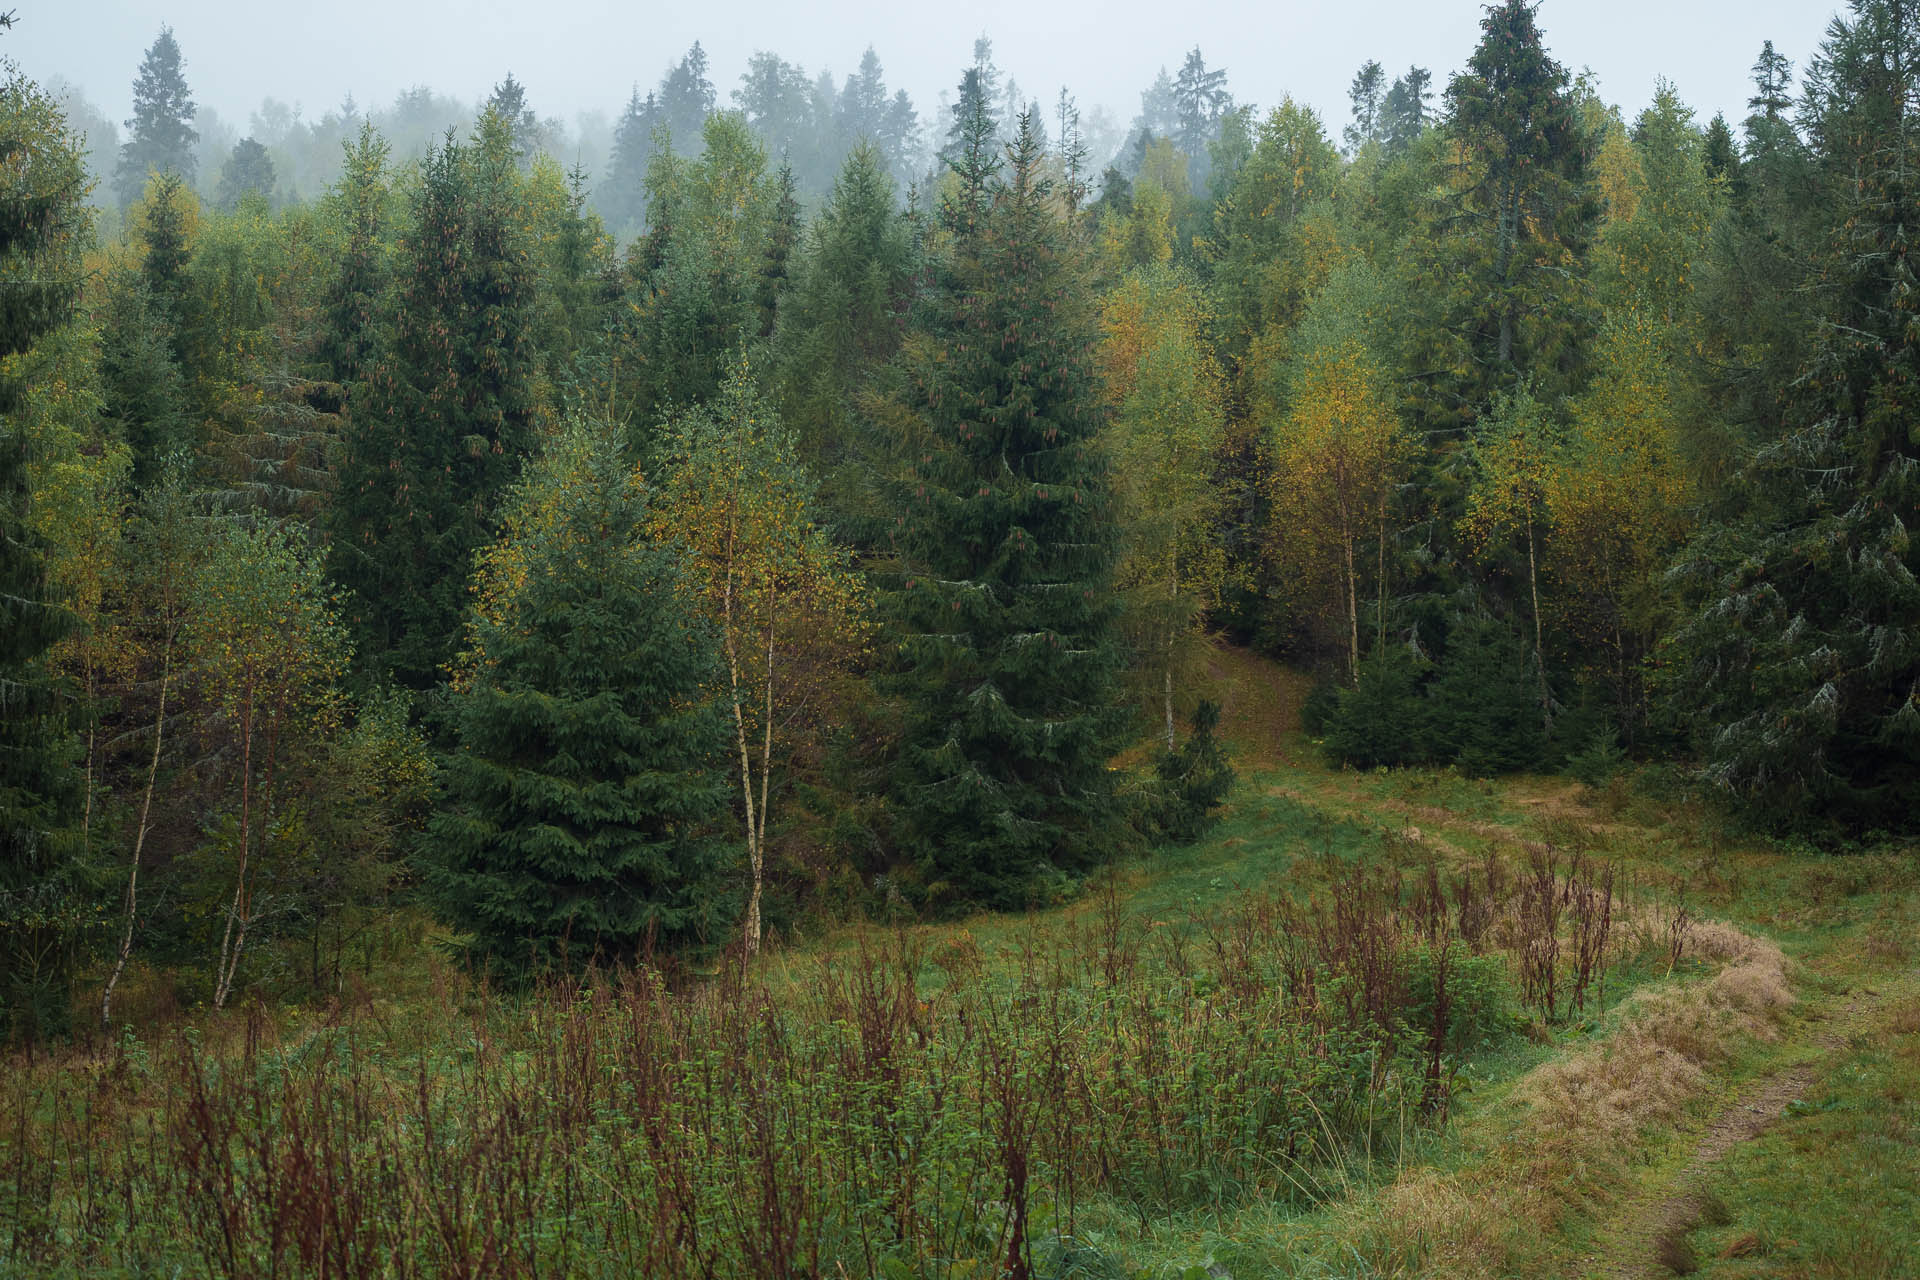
(584, 55)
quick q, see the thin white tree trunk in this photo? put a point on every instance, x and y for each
(750, 937)
(766, 774)
(1353, 596)
(232, 943)
(1539, 641)
(139, 841)
(1173, 590)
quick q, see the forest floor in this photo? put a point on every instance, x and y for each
(1753, 1112)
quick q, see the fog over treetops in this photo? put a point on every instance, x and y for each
(260, 71)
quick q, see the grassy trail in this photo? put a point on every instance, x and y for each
(1741, 1090)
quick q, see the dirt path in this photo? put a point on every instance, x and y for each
(1632, 1247)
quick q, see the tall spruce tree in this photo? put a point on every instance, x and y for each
(42, 910)
(839, 325)
(351, 305)
(1404, 114)
(1800, 669)
(623, 196)
(686, 100)
(160, 133)
(1364, 94)
(248, 171)
(446, 415)
(1524, 215)
(1005, 611)
(577, 818)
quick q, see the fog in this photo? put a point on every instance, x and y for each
(584, 56)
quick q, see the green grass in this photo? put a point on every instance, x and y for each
(1298, 830)
(1832, 1189)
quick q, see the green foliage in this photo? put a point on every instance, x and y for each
(838, 325)
(1599, 760)
(42, 882)
(353, 297)
(1504, 266)
(446, 415)
(1382, 719)
(1006, 657)
(1798, 665)
(695, 285)
(160, 133)
(1477, 707)
(577, 815)
(1483, 702)
(1193, 781)
(248, 171)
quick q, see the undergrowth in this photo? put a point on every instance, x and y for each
(911, 1110)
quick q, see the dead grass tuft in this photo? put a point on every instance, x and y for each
(1672, 1250)
(1906, 1018)
(1584, 1114)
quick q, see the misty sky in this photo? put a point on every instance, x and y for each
(584, 55)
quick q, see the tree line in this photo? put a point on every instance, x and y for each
(800, 544)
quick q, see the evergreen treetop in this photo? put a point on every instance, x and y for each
(161, 137)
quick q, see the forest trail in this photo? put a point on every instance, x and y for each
(1632, 1248)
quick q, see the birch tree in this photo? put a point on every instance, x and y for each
(267, 648)
(788, 607)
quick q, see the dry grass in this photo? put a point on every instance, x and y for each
(1580, 1121)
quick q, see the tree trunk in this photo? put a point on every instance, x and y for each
(237, 913)
(1173, 590)
(139, 843)
(1509, 236)
(1353, 597)
(766, 774)
(750, 938)
(1380, 616)
(1539, 642)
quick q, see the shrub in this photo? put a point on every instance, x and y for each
(1382, 720)
(1191, 782)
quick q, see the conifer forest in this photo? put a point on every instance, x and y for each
(804, 683)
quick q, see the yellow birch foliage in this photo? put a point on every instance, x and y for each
(1160, 377)
(734, 492)
(1515, 452)
(1339, 447)
(1618, 497)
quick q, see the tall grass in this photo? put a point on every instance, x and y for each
(903, 1114)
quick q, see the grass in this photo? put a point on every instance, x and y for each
(1832, 1188)
(1067, 1093)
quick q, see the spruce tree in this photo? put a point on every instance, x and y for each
(247, 171)
(42, 220)
(1403, 112)
(446, 414)
(686, 100)
(351, 304)
(838, 326)
(623, 196)
(509, 101)
(1799, 670)
(163, 237)
(1005, 610)
(160, 133)
(783, 235)
(143, 393)
(1523, 215)
(1365, 94)
(577, 817)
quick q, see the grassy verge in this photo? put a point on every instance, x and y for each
(1372, 1025)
